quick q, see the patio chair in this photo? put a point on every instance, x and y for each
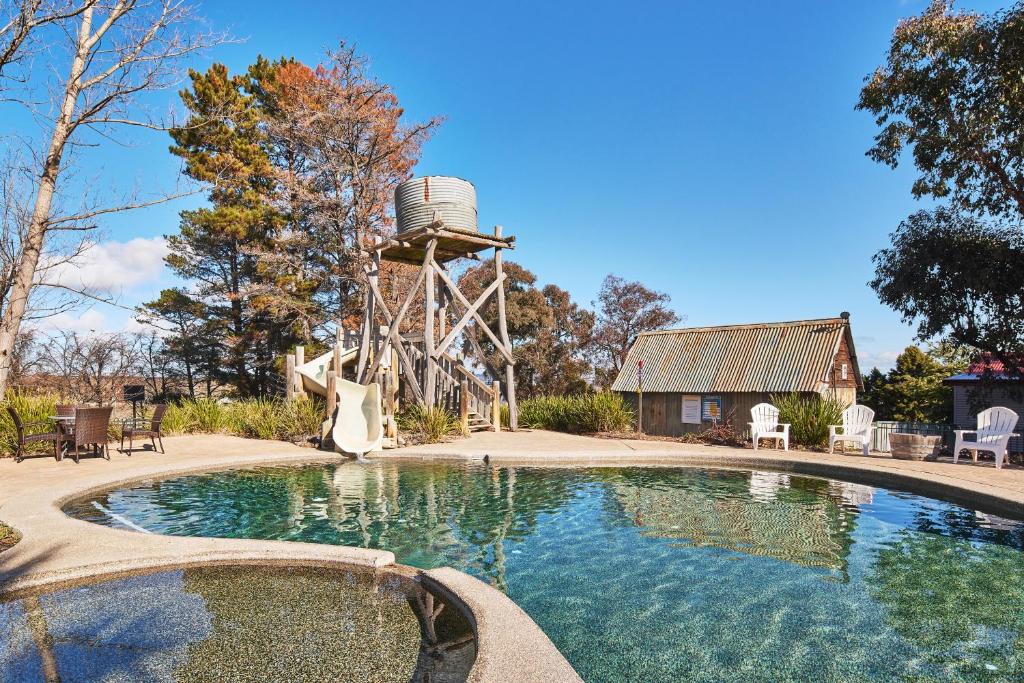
(995, 428)
(24, 438)
(92, 428)
(142, 428)
(764, 424)
(857, 427)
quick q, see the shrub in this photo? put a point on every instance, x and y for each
(258, 418)
(809, 417)
(428, 425)
(585, 413)
(31, 408)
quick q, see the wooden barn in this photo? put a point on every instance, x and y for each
(693, 377)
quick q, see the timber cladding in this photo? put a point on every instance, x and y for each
(692, 377)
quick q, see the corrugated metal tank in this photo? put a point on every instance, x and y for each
(417, 199)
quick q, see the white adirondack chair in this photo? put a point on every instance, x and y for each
(995, 427)
(857, 427)
(764, 424)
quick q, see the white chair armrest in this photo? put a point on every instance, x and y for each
(961, 432)
(832, 429)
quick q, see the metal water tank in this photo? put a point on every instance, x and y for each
(453, 199)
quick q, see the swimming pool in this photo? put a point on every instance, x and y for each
(658, 573)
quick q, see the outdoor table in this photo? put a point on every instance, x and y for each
(66, 426)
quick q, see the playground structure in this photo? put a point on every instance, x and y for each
(391, 358)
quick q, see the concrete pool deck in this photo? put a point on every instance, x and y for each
(55, 547)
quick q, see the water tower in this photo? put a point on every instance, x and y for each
(437, 226)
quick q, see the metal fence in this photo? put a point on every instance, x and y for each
(880, 438)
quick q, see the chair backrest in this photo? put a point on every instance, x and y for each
(857, 419)
(997, 420)
(158, 416)
(19, 426)
(92, 425)
(65, 410)
(764, 417)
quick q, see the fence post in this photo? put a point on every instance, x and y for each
(300, 359)
(496, 407)
(289, 376)
(464, 406)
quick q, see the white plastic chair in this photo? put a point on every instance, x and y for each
(764, 424)
(995, 428)
(857, 427)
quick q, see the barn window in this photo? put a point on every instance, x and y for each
(843, 372)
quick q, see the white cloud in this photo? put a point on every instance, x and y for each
(883, 360)
(115, 266)
(88, 322)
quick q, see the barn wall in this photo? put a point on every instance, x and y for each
(663, 412)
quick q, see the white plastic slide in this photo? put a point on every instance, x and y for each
(358, 426)
(314, 372)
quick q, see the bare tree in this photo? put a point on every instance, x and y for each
(118, 50)
(91, 368)
(20, 20)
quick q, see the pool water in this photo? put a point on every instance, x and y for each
(237, 623)
(658, 574)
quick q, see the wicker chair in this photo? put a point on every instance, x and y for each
(92, 428)
(143, 429)
(65, 410)
(24, 438)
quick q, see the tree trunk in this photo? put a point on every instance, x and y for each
(32, 247)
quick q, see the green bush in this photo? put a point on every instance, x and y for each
(257, 418)
(31, 408)
(809, 417)
(582, 414)
(428, 425)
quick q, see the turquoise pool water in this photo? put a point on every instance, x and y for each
(659, 574)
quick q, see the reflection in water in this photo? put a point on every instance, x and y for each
(660, 573)
(236, 623)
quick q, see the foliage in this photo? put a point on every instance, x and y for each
(950, 91)
(583, 413)
(550, 333)
(626, 310)
(809, 417)
(301, 164)
(957, 276)
(913, 390)
(428, 425)
(30, 408)
(253, 418)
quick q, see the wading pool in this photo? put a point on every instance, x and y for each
(658, 574)
(235, 623)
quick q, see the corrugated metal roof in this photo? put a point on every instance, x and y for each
(764, 357)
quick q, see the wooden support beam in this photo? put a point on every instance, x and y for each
(461, 298)
(289, 376)
(496, 407)
(332, 393)
(430, 361)
(399, 348)
(393, 335)
(471, 312)
(510, 370)
(464, 406)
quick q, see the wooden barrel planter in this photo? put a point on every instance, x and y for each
(915, 446)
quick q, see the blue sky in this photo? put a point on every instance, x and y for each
(710, 150)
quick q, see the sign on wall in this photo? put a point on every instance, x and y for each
(711, 408)
(691, 410)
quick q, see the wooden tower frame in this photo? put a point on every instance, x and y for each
(432, 374)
